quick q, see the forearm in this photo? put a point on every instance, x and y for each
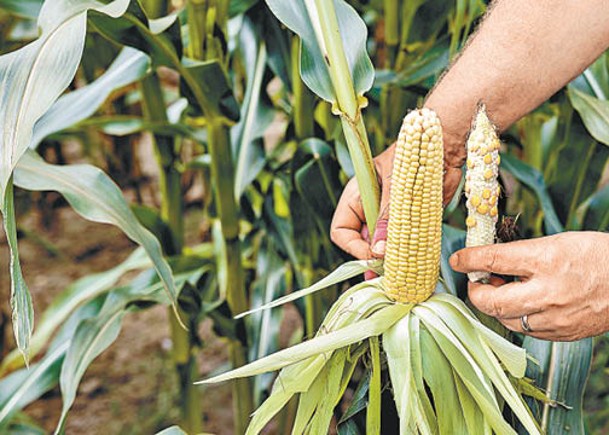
(523, 53)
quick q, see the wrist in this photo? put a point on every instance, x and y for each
(454, 132)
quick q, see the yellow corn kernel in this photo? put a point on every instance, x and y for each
(482, 183)
(412, 255)
(482, 209)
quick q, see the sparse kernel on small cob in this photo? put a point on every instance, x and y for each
(483, 186)
(414, 232)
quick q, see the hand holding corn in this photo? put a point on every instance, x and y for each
(563, 287)
(513, 65)
(565, 298)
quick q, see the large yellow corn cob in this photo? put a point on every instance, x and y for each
(481, 185)
(414, 231)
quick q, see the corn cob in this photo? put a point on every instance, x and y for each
(481, 186)
(414, 231)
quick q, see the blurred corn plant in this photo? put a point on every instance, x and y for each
(240, 111)
(235, 166)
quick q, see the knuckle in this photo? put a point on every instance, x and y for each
(497, 309)
(490, 257)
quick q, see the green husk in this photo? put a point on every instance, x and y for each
(437, 345)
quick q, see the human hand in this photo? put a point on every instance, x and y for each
(563, 287)
(348, 229)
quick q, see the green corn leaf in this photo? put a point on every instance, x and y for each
(92, 337)
(513, 357)
(474, 419)
(466, 368)
(256, 113)
(396, 344)
(438, 375)
(237, 7)
(354, 353)
(173, 430)
(331, 392)
(342, 273)
(32, 78)
(295, 15)
(21, 300)
(339, 71)
(76, 294)
(357, 303)
(533, 179)
(35, 76)
(575, 167)
(316, 180)
(23, 424)
(159, 38)
(453, 239)
(426, 409)
(359, 401)
(563, 370)
(469, 334)
(94, 196)
(205, 84)
(26, 385)
(128, 67)
(373, 410)
(264, 327)
(309, 401)
(22, 8)
(207, 87)
(413, 407)
(593, 213)
(292, 380)
(376, 324)
(594, 113)
(124, 125)
(597, 77)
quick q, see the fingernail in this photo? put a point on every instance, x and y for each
(454, 260)
(379, 247)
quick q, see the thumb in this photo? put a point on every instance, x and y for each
(379, 240)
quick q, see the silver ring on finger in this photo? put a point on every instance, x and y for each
(524, 321)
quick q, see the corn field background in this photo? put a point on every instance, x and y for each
(174, 165)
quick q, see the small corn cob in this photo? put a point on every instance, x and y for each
(414, 232)
(481, 185)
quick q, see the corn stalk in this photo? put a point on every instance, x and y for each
(204, 18)
(348, 105)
